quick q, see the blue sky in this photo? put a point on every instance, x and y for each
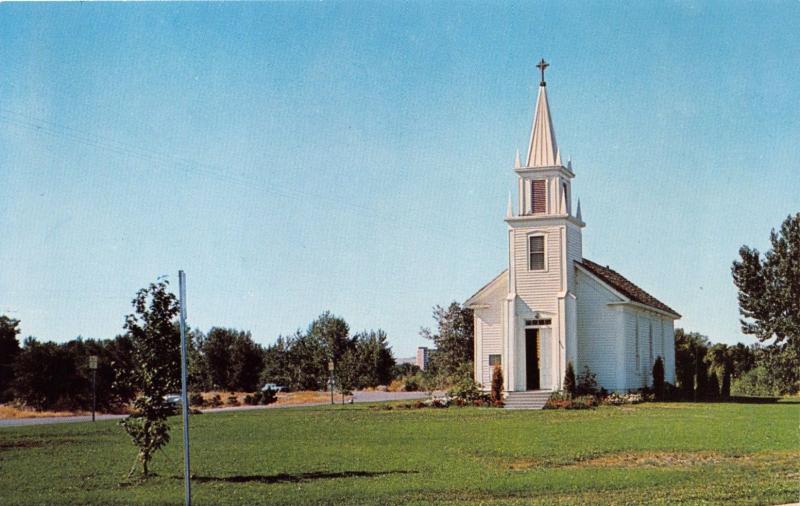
(356, 157)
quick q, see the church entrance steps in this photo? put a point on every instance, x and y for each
(532, 399)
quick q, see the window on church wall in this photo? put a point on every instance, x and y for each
(494, 360)
(565, 196)
(538, 196)
(650, 342)
(536, 256)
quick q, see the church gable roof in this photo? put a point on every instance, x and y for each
(624, 286)
(500, 279)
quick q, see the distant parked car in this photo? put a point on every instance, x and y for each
(173, 399)
(274, 387)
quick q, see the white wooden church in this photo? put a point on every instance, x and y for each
(551, 305)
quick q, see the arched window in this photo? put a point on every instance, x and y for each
(565, 196)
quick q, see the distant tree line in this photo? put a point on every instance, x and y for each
(300, 361)
(56, 376)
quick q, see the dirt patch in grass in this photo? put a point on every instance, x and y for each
(631, 459)
(654, 459)
(21, 443)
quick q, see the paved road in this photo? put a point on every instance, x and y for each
(357, 397)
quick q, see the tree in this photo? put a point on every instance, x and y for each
(742, 359)
(9, 349)
(405, 369)
(712, 386)
(454, 339)
(217, 346)
(347, 372)
(247, 362)
(46, 377)
(658, 379)
(769, 296)
(278, 367)
(332, 333)
(570, 385)
(308, 360)
(198, 373)
(154, 333)
(726, 384)
(701, 377)
(375, 360)
(120, 362)
(688, 345)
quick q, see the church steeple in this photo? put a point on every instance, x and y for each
(543, 150)
(543, 180)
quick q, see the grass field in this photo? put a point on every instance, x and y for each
(361, 454)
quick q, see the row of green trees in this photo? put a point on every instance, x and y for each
(47, 375)
(301, 361)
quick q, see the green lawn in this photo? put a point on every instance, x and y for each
(652, 453)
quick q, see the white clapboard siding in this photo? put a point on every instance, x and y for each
(574, 253)
(598, 331)
(538, 288)
(490, 320)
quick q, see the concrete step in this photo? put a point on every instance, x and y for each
(533, 399)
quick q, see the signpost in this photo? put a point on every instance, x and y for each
(184, 395)
(93, 367)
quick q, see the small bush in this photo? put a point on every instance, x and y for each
(412, 383)
(497, 385)
(196, 399)
(570, 386)
(468, 391)
(563, 400)
(397, 385)
(757, 382)
(215, 401)
(615, 399)
(658, 379)
(268, 397)
(587, 383)
(250, 400)
(232, 401)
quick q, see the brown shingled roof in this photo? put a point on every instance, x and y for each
(624, 286)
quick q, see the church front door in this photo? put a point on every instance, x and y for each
(532, 359)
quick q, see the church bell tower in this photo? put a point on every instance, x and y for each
(544, 239)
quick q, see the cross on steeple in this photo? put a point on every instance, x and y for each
(543, 65)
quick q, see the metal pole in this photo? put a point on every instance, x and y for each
(94, 395)
(184, 394)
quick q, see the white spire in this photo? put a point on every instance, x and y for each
(543, 150)
(558, 157)
(517, 163)
(569, 163)
(578, 212)
(510, 208)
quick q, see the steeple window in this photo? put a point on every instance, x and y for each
(538, 196)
